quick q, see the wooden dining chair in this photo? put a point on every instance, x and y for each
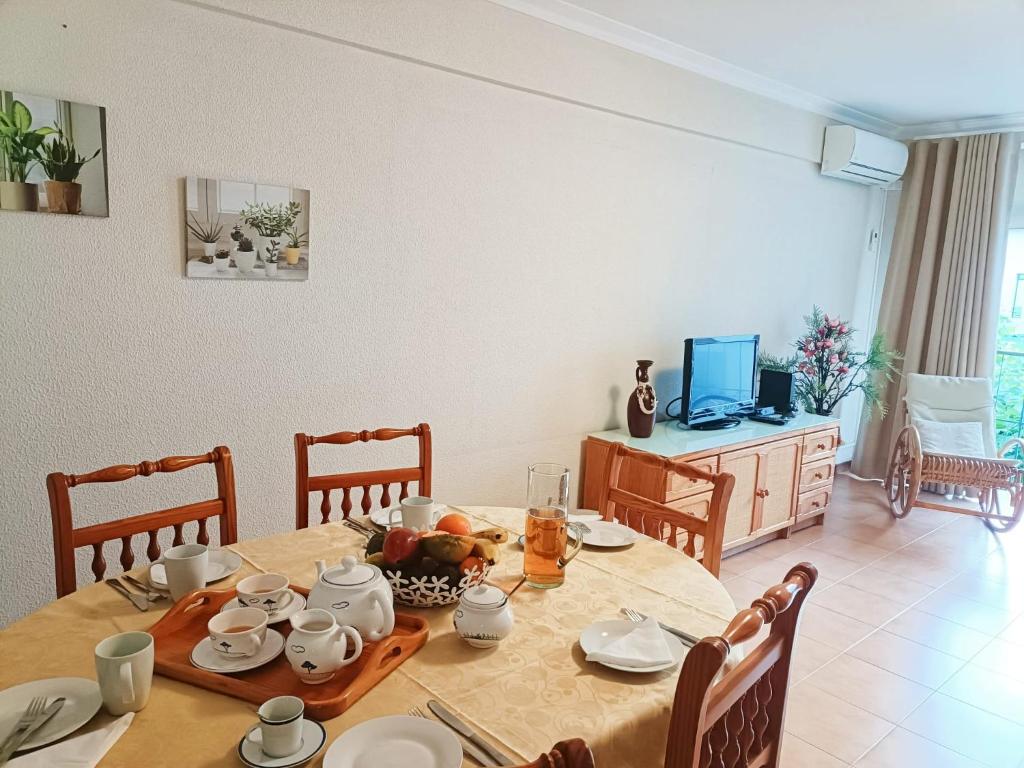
(571, 753)
(737, 720)
(346, 482)
(661, 521)
(67, 538)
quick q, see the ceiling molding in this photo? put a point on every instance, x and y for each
(568, 16)
(969, 125)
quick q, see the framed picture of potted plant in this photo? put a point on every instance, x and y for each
(264, 227)
(53, 156)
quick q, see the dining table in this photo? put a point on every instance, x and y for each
(530, 691)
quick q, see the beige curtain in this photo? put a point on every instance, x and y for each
(940, 303)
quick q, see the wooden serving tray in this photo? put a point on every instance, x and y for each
(177, 633)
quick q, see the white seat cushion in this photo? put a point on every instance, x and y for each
(954, 438)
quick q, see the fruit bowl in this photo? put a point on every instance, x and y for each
(418, 591)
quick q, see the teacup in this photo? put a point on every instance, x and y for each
(279, 731)
(267, 591)
(238, 632)
(416, 512)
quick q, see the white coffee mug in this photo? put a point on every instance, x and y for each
(185, 566)
(238, 632)
(417, 512)
(124, 670)
(266, 591)
(279, 731)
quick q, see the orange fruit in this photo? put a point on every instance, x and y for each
(454, 523)
(472, 563)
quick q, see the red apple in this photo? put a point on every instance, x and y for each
(400, 545)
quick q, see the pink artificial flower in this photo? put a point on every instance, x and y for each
(808, 353)
(822, 331)
(843, 370)
(834, 359)
(843, 329)
(828, 343)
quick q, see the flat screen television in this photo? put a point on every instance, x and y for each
(718, 380)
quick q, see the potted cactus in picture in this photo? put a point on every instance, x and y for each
(222, 260)
(237, 234)
(295, 243)
(60, 160)
(270, 221)
(19, 151)
(206, 233)
(270, 257)
(245, 256)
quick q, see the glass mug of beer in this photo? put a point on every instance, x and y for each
(547, 527)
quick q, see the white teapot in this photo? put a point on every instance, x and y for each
(483, 618)
(357, 594)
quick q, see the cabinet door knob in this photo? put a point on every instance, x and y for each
(815, 503)
(761, 493)
(821, 446)
(818, 475)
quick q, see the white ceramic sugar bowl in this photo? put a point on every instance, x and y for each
(483, 617)
(357, 594)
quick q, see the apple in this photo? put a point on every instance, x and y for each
(400, 545)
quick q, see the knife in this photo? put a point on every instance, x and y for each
(460, 727)
(40, 721)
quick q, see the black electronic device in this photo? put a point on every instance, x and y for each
(718, 380)
(777, 390)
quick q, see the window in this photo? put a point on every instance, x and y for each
(1018, 298)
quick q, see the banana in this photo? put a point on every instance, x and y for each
(488, 550)
(497, 535)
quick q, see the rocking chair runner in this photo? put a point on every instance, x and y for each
(954, 400)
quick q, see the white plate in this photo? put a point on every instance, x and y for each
(82, 702)
(601, 633)
(381, 516)
(609, 534)
(395, 742)
(222, 563)
(298, 602)
(204, 657)
(313, 738)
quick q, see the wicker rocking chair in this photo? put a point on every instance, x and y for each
(955, 400)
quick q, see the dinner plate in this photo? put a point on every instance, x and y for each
(204, 657)
(381, 516)
(395, 742)
(297, 603)
(82, 701)
(604, 533)
(222, 563)
(601, 633)
(313, 738)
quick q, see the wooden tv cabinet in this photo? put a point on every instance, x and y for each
(783, 474)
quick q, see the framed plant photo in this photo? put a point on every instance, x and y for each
(53, 155)
(241, 230)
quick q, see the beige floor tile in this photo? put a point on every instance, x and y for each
(938, 633)
(744, 591)
(968, 730)
(832, 724)
(906, 658)
(809, 656)
(1002, 657)
(1014, 633)
(903, 749)
(901, 564)
(857, 604)
(851, 549)
(832, 628)
(1008, 594)
(797, 753)
(830, 566)
(993, 692)
(902, 590)
(744, 561)
(970, 613)
(869, 687)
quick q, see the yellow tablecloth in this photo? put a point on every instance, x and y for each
(526, 694)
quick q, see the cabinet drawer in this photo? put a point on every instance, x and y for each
(816, 475)
(677, 486)
(814, 503)
(818, 445)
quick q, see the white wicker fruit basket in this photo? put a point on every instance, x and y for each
(429, 591)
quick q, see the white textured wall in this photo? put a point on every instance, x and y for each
(505, 215)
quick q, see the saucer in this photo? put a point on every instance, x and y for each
(204, 657)
(313, 739)
(601, 633)
(222, 563)
(297, 603)
(395, 742)
(604, 533)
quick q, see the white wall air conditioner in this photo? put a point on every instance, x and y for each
(861, 156)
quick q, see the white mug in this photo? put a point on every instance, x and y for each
(267, 591)
(279, 731)
(185, 566)
(417, 512)
(237, 643)
(124, 670)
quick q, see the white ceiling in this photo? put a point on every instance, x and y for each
(905, 65)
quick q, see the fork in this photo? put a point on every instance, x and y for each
(137, 600)
(686, 637)
(34, 710)
(357, 528)
(474, 752)
(150, 595)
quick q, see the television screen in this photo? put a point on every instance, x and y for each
(718, 377)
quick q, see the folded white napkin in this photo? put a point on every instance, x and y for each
(83, 751)
(644, 646)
